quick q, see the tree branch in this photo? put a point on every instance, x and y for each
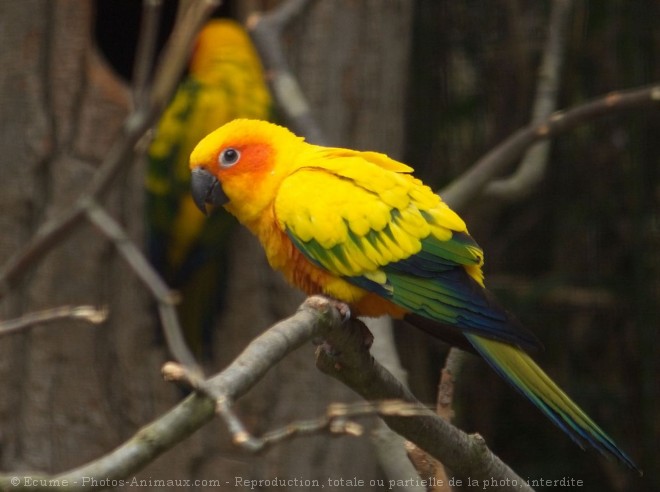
(90, 314)
(146, 50)
(531, 170)
(528, 175)
(165, 298)
(467, 455)
(427, 465)
(313, 317)
(120, 155)
(470, 185)
(390, 447)
(266, 30)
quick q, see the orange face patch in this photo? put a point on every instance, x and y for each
(255, 159)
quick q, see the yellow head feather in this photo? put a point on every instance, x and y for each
(268, 154)
(219, 42)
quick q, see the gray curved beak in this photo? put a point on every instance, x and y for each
(206, 188)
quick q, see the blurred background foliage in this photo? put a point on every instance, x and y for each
(578, 259)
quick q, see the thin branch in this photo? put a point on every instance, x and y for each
(390, 447)
(174, 57)
(466, 188)
(131, 253)
(146, 49)
(48, 236)
(532, 168)
(451, 371)
(165, 298)
(120, 154)
(266, 31)
(316, 317)
(427, 465)
(336, 420)
(90, 314)
(313, 318)
(315, 314)
(467, 456)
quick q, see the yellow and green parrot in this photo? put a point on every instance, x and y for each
(225, 81)
(358, 227)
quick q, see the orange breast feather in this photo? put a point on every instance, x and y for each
(283, 255)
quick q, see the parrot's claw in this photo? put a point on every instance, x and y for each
(358, 328)
(343, 308)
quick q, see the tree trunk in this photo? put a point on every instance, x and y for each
(337, 51)
(72, 392)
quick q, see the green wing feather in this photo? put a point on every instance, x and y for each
(389, 234)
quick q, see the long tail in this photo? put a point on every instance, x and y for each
(526, 376)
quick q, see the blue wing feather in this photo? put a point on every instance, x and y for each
(437, 287)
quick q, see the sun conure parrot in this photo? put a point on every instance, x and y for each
(358, 227)
(225, 82)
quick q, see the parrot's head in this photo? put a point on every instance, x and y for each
(222, 43)
(241, 165)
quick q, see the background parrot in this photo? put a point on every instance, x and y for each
(357, 226)
(225, 81)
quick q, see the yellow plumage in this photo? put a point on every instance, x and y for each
(225, 81)
(337, 199)
(359, 227)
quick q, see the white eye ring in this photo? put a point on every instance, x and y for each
(229, 157)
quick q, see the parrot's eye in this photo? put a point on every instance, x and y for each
(228, 157)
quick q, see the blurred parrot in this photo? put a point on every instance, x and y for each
(358, 227)
(225, 82)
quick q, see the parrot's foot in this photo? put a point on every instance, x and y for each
(343, 308)
(334, 345)
(347, 343)
(345, 313)
(321, 302)
(355, 330)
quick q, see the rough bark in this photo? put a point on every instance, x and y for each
(337, 51)
(72, 392)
